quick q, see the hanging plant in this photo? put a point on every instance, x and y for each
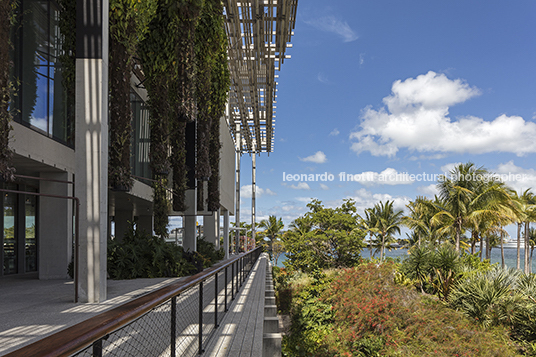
(212, 88)
(129, 21)
(182, 95)
(160, 207)
(7, 8)
(67, 61)
(156, 53)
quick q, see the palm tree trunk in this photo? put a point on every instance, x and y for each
(488, 248)
(458, 234)
(502, 252)
(527, 239)
(518, 245)
(481, 245)
(382, 247)
(473, 243)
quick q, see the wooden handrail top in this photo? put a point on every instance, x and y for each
(73, 339)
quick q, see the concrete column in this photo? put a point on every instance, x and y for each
(91, 152)
(226, 233)
(237, 180)
(55, 227)
(123, 220)
(145, 223)
(211, 227)
(189, 241)
(253, 192)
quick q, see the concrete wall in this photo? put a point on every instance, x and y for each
(227, 168)
(30, 144)
(55, 227)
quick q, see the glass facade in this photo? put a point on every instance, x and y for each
(9, 237)
(139, 160)
(19, 237)
(40, 101)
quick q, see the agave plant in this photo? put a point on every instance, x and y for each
(491, 298)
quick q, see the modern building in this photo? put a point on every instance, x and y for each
(61, 206)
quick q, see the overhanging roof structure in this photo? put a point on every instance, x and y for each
(259, 32)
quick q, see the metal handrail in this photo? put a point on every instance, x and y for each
(82, 335)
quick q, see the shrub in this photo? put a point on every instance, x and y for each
(361, 312)
(140, 255)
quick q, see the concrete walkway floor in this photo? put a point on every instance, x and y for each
(31, 309)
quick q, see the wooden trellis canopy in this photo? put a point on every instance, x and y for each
(259, 33)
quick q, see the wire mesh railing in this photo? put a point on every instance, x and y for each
(176, 320)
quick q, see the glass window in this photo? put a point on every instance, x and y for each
(30, 241)
(41, 96)
(139, 160)
(10, 241)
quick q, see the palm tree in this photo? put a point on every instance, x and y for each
(272, 226)
(387, 222)
(418, 220)
(368, 225)
(525, 203)
(456, 194)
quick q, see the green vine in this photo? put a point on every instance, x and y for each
(129, 22)
(67, 61)
(214, 96)
(7, 8)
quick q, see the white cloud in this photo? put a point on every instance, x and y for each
(324, 187)
(322, 78)
(389, 176)
(245, 191)
(366, 199)
(445, 169)
(334, 132)
(301, 186)
(361, 59)
(416, 118)
(319, 158)
(334, 25)
(517, 177)
(429, 191)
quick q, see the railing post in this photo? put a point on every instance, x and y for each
(173, 325)
(97, 348)
(201, 318)
(216, 301)
(232, 281)
(225, 283)
(237, 275)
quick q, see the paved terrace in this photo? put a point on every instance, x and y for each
(33, 309)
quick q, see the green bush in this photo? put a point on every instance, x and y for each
(208, 253)
(140, 255)
(362, 312)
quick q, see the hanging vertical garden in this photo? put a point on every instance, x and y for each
(185, 63)
(129, 21)
(6, 20)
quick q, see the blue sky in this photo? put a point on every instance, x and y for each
(399, 87)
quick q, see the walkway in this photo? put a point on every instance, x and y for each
(241, 331)
(33, 309)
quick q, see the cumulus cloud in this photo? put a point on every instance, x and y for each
(245, 191)
(415, 117)
(429, 191)
(366, 199)
(517, 177)
(445, 169)
(324, 186)
(334, 132)
(301, 186)
(334, 25)
(389, 176)
(319, 158)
